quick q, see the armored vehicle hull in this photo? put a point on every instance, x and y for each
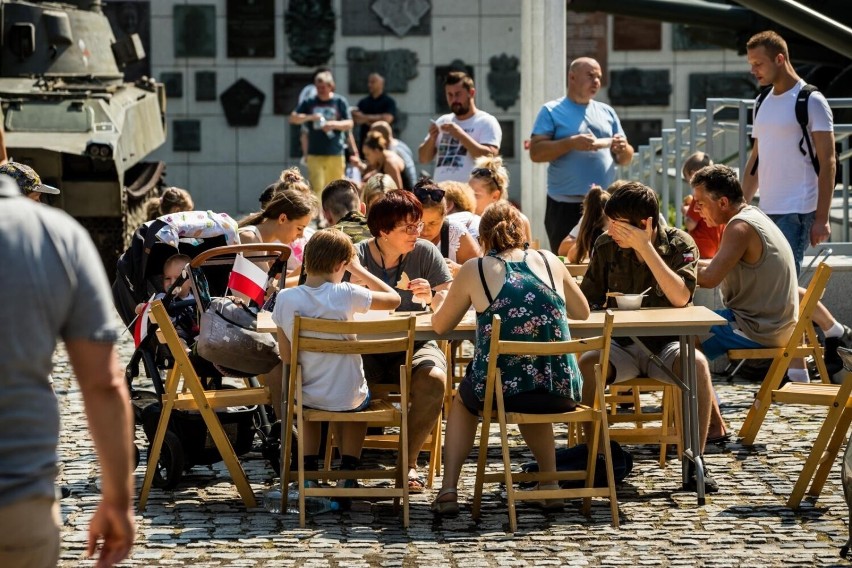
(69, 114)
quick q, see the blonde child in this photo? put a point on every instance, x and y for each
(331, 382)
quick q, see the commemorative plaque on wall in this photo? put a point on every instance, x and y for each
(195, 30)
(635, 34)
(251, 28)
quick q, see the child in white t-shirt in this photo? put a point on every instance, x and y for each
(331, 381)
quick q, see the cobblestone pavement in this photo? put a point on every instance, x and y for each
(204, 523)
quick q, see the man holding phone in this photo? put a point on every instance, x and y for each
(581, 139)
(460, 137)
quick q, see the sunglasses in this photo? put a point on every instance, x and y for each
(422, 194)
(413, 229)
(481, 172)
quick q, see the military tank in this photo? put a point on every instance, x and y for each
(69, 114)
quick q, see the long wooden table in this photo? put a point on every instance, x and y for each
(685, 323)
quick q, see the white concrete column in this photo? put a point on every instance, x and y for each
(543, 78)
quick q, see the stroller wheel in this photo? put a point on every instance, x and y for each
(171, 463)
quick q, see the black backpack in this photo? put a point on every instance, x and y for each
(801, 117)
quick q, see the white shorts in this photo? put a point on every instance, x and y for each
(632, 361)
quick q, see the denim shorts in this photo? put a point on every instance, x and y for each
(723, 338)
(797, 230)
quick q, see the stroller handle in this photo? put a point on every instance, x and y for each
(283, 252)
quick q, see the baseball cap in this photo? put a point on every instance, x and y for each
(28, 180)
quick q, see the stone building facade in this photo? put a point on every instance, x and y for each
(232, 77)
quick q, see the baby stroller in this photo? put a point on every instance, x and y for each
(210, 246)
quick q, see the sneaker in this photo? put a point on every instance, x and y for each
(346, 502)
(846, 338)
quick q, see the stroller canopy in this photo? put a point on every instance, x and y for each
(189, 233)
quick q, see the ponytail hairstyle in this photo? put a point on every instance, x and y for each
(291, 178)
(593, 224)
(175, 200)
(291, 202)
(501, 228)
(491, 171)
(376, 141)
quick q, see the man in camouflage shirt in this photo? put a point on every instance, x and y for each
(341, 207)
(636, 253)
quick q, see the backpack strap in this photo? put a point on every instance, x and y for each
(445, 239)
(761, 96)
(484, 283)
(802, 118)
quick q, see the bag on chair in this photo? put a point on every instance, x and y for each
(228, 338)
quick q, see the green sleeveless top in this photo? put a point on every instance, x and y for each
(530, 311)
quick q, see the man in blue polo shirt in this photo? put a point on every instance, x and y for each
(582, 141)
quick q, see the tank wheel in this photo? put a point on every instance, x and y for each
(170, 466)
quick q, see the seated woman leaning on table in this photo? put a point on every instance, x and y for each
(416, 269)
(517, 284)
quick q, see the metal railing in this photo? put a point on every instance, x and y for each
(658, 163)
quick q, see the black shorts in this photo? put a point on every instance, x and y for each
(384, 368)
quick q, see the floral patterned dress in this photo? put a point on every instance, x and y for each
(530, 311)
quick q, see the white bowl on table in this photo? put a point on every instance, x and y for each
(629, 301)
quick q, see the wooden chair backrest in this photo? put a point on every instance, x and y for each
(575, 347)
(812, 296)
(392, 335)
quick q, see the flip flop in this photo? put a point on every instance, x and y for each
(416, 484)
(446, 508)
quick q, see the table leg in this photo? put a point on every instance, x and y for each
(691, 428)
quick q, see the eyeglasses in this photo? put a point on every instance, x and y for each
(412, 229)
(422, 194)
(481, 172)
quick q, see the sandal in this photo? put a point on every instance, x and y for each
(416, 484)
(719, 440)
(446, 508)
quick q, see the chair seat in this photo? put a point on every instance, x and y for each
(378, 411)
(801, 342)
(812, 394)
(225, 398)
(581, 413)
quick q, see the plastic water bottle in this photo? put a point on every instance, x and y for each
(272, 501)
(313, 505)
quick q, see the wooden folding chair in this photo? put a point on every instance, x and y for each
(393, 335)
(205, 402)
(832, 433)
(795, 348)
(661, 428)
(596, 414)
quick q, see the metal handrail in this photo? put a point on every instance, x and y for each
(657, 162)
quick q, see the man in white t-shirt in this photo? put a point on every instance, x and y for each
(460, 137)
(791, 192)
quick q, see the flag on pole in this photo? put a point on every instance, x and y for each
(140, 328)
(248, 278)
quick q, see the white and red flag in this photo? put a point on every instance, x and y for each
(248, 278)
